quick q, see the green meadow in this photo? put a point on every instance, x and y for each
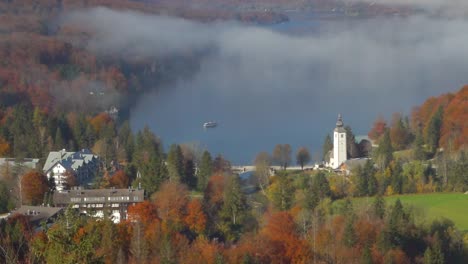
(428, 207)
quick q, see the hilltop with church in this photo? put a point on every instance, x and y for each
(347, 153)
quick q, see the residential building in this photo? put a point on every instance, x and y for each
(26, 163)
(111, 203)
(83, 165)
(38, 214)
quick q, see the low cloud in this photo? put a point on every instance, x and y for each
(358, 67)
(442, 7)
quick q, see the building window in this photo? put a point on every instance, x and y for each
(342, 135)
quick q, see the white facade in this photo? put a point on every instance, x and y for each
(82, 164)
(339, 144)
(58, 173)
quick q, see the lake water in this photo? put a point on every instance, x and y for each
(291, 88)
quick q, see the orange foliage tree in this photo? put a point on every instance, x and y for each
(214, 192)
(282, 235)
(4, 147)
(399, 134)
(144, 212)
(378, 129)
(171, 201)
(195, 218)
(119, 180)
(34, 184)
(99, 121)
(454, 134)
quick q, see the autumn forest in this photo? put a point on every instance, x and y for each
(56, 94)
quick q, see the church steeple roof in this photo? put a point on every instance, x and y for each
(339, 122)
(339, 125)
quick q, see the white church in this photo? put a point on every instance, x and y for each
(339, 145)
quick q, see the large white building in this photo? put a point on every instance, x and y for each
(83, 165)
(339, 144)
(112, 203)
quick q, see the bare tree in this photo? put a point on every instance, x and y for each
(262, 170)
(282, 155)
(302, 157)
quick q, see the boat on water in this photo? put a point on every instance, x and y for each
(210, 124)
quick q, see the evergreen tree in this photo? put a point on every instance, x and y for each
(79, 132)
(396, 221)
(189, 173)
(351, 147)
(321, 185)
(362, 182)
(326, 148)
(433, 131)
(153, 174)
(204, 171)
(428, 256)
(5, 201)
(372, 184)
(59, 140)
(319, 189)
(437, 253)
(90, 136)
(126, 140)
(349, 235)
(397, 178)
(282, 192)
(366, 255)
(418, 150)
(379, 207)
(175, 163)
(234, 201)
(384, 152)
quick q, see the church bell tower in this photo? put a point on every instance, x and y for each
(339, 144)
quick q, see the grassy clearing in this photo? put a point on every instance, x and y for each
(428, 207)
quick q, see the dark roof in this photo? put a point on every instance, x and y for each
(135, 195)
(37, 213)
(69, 160)
(339, 125)
(339, 122)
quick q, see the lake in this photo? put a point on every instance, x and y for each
(287, 83)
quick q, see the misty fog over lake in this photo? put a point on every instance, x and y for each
(287, 83)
